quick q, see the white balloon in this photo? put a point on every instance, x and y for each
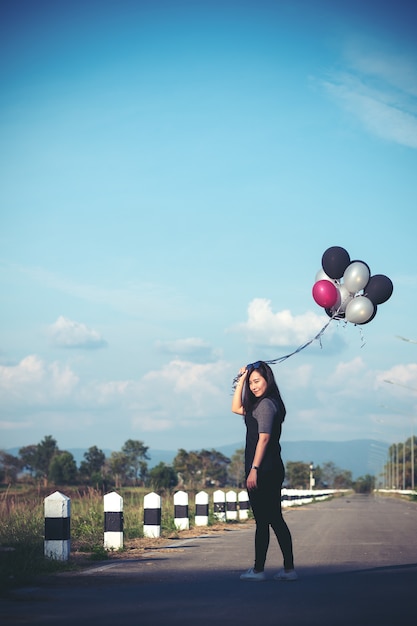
(356, 276)
(336, 306)
(359, 310)
(345, 297)
(321, 275)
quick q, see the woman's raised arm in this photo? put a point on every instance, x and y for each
(237, 404)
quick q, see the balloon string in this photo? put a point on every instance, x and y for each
(304, 345)
(316, 337)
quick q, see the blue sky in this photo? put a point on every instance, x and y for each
(171, 174)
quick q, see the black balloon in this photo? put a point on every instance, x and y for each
(379, 289)
(334, 261)
(331, 312)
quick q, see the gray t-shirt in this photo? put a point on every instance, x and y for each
(264, 415)
(265, 418)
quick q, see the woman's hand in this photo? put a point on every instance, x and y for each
(261, 446)
(252, 480)
(237, 406)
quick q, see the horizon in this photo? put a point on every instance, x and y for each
(218, 447)
(360, 456)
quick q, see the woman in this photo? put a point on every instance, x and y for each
(257, 397)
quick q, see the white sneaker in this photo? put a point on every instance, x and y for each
(252, 575)
(288, 576)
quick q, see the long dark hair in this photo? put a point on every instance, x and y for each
(250, 401)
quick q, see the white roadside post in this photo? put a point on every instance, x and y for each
(285, 498)
(152, 515)
(219, 504)
(181, 520)
(57, 543)
(201, 508)
(243, 499)
(113, 521)
(231, 506)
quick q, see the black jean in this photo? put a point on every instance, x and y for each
(265, 502)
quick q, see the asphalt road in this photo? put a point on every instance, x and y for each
(356, 558)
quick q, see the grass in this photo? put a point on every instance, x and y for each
(22, 530)
(21, 541)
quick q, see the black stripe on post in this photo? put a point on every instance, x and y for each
(219, 507)
(202, 509)
(113, 521)
(152, 517)
(181, 510)
(231, 506)
(57, 528)
(244, 505)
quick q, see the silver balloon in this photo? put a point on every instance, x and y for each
(345, 297)
(356, 276)
(321, 275)
(359, 310)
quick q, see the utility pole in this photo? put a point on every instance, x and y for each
(312, 481)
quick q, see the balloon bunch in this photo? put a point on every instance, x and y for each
(346, 289)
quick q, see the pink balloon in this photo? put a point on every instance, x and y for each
(325, 293)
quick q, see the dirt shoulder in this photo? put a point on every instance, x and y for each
(137, 548)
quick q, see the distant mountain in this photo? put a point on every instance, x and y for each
(359, 456)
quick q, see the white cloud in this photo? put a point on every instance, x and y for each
(66, 333)
(191, 347)
(354, 369)
(149, 424)
(389, 67)
(264, 327)
(180, 397)
(34, 382)
(180, 394)
(380, 90)
(6, 425)
(382, 119)
(185, 346)
(300, 378)
(184, 402)
(350, 401)
(400, 376)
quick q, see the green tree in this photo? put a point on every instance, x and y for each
(236, 469)
(45, 452)
(28, 456)
(92, 468)
(163, 476)
(187, 466)
(119, 467)
(397, 453)
(63, 469)
(318, 477)
(201, 469)
(343, 480)
(39, 458)
(136, 453)
(10, 466)
(297, 474)
(330, 476)
(214, 467)
(365, 484)
(329, 472)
